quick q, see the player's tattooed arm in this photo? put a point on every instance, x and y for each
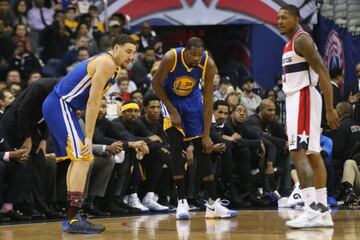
(304, 46)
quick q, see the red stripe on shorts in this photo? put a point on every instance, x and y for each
(304, 111)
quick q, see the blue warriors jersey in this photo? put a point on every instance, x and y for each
(74, 88)
(182, 86)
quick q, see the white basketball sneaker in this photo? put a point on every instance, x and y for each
(182, 210)
(218, 210)
(134, 202)
(326, 216)
(310, 218)
(293, 200)
(149, 202)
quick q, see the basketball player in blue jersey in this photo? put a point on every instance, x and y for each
(187, 117)
(82, 88)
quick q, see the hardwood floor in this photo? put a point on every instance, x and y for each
(255, 224)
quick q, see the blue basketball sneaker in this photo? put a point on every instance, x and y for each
(78, 224)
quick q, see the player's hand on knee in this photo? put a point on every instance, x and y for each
(87, 149)
(207, 144)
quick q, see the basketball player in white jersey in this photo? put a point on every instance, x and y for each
(303, 69)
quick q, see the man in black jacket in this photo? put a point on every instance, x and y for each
(106, 133)
(353, 95)
(12, 171)
(152, 163)
(23, 127)
(344, 138)
(266, 127)
(151, 120)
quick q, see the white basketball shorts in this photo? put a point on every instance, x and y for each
(303, 119)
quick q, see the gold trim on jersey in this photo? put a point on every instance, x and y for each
(175, 62)
(167, 124)
(183, 61)
(205, 66)
(70, 154)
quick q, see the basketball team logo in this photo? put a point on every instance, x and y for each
(184, 85)
(334, 51)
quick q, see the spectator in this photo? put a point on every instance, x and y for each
(249, 99)
(337, 82)
(138, 97)
(216, 82)
(278, 88)
(20, 35)
(69, 19)
(96, 23)
(273, 134)
(56, 43)
(101, 169)
(12, 185)
(122, 20)
(15, 89)
(33, 77)
(119, 88)
(232, 99)
(25, 62)
(147, 37)
(7, 45)
(344, 138)
(353, 95)
(13, 76)
(272, 96)
(6, 98)
(39, 16)
(20, 13)
(82, 54)
(23, 128)
(350, 181)
(6, 13)
(152, 163)
(222, 92)
(142, 68)
(71, 55)
(107, 133)
(114, 31)
(83, 30)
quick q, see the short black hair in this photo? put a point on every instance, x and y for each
(292, 9)
(220, 103)
(122, 39)
(194, 42)
(150, 97)
(248, 79)
(82, 49)
(136, 91)
(335, 72)
(269, 91)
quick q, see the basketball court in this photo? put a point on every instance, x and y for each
(254, 224)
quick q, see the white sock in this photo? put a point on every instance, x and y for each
(321, 196)
(309, 195)
(297, 184)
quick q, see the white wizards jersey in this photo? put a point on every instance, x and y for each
(297, 73)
